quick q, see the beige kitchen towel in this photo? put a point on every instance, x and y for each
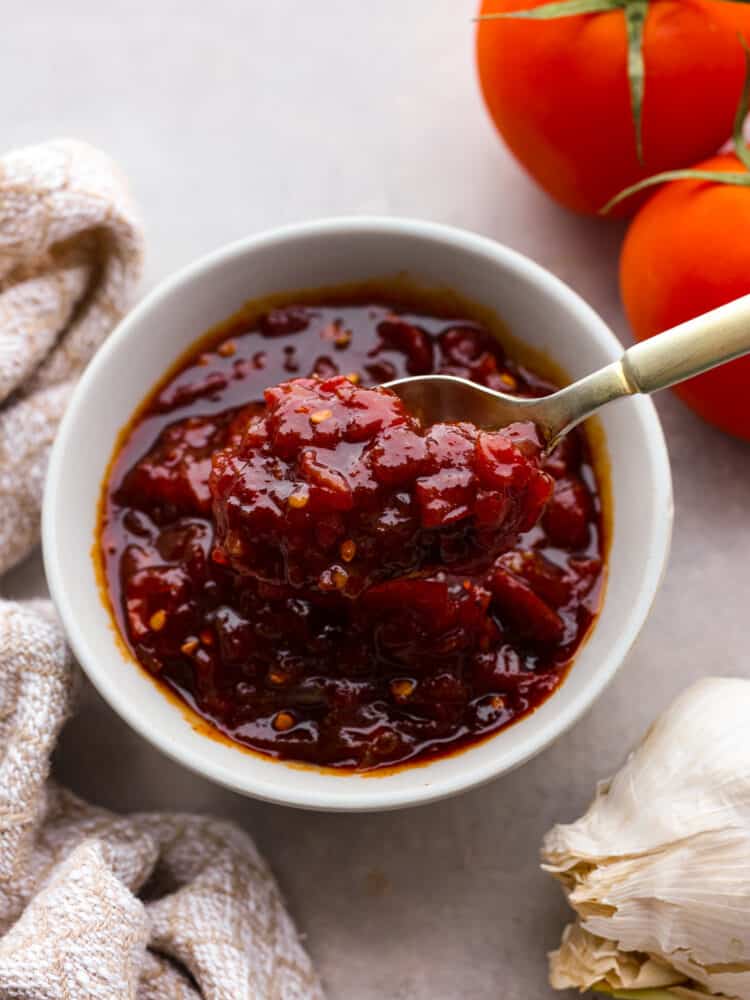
(71, 251)
(95, 906)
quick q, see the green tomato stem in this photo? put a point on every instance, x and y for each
(717, 176)
(635, 19)
(742, 152)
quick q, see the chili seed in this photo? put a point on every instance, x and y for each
(207, 637)
(283, 721)
(298, 500)
(354, 378)
(320, 415)
(385, 743)
(227, 349)
(497, 702)
(277, 677)
(340, 578)
(507, 379)
(189, 646)
(234, 544)
(343, 339)
(158, 620)
(402, 688)
(348, 550)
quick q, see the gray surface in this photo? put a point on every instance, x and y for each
(233, 116)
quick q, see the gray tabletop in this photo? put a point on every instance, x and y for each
(230, 117)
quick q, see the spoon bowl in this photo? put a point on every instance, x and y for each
(436, 398)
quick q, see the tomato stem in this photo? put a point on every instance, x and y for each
(738, 138)
(635, 12)
(738, 178)
(558, 8)
(635, 19)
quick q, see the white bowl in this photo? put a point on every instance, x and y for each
(538, 309)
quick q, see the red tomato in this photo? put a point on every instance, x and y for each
(688, 251)
(736, 15)
(558, 93)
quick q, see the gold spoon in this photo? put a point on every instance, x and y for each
(686, 350)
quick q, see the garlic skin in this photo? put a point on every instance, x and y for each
(658, 868)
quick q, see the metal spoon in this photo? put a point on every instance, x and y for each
(673, 356)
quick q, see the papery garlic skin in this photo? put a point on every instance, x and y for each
(584, 960)
(658, 868)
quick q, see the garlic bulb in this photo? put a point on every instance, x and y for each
(658, 868)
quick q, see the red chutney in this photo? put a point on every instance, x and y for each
(336, 487)
(358, 591)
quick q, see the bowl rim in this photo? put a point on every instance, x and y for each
(378, 796)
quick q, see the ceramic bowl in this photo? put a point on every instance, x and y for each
(537, 308)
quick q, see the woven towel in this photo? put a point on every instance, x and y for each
(72, 925)
(95, 906)
(71, 251)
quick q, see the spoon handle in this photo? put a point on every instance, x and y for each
(673, 356)
(690, 348)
